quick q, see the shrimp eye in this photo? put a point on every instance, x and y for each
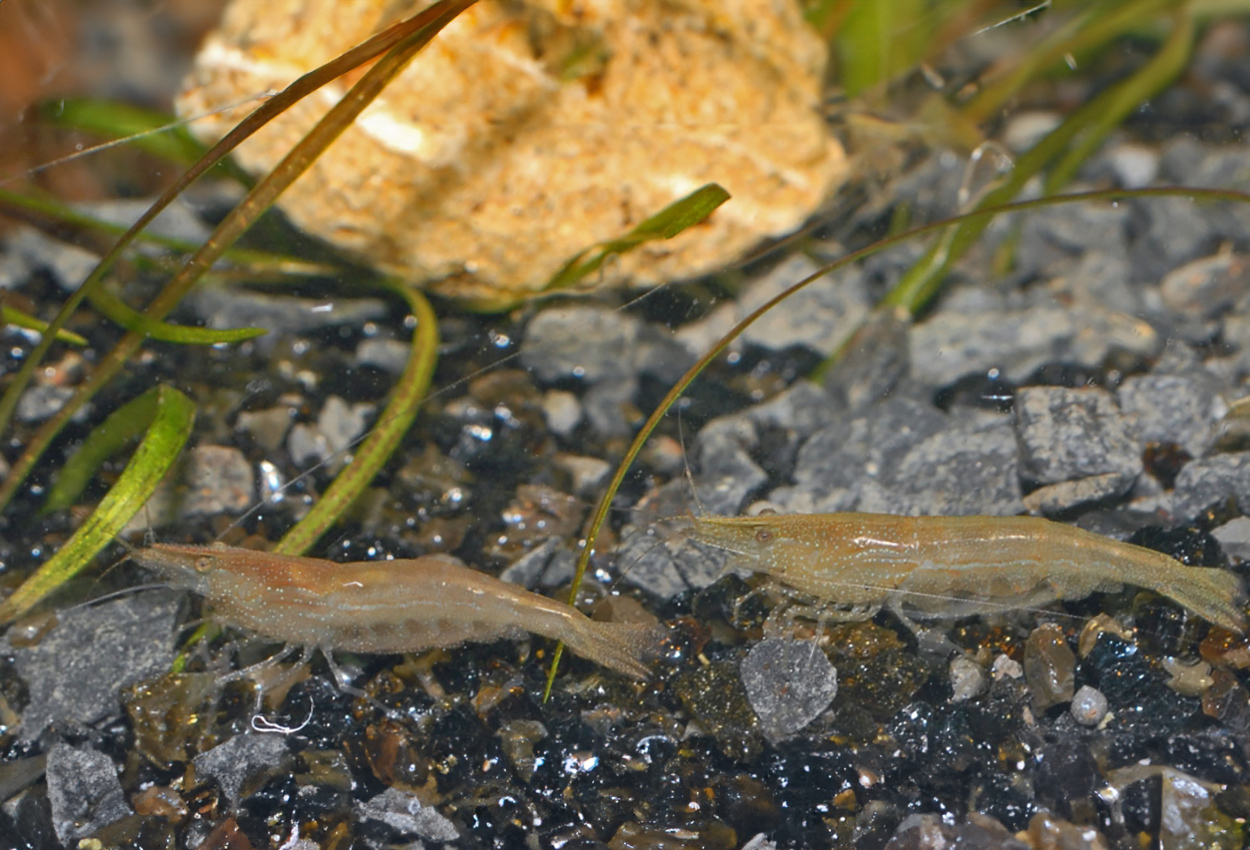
(203, 564)
(763, 535)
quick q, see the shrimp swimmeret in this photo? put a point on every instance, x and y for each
(386, 606)
(929, 564)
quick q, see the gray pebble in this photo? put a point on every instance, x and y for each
(1176, 232)
(1051, 239)
(237, 765)
(338, 426)
(547, 566)
(844, 454)
(802, 409)
(267, 427)
(403, 813)
(666, 564)
(759, 841)
(961, 471)
(390, 355)
(176, 221)
(1027, 128)
(598, 344)
(819, 317)
(218, 480)
(1103, 278)
(727, 473)
(1054, 499)
(76, 671)
(609, 407)
(281, 315)
(562, 411)
(789, 683)
(874, 362)
(1207, 286)
(588, 474)
(953, 344)
(1188, 811)
(42, 401)
(1234, 538)
(30, 250)
(1180, 409)
(1208, 481)
(1067, 434)
(84, 792)
(1135, 166)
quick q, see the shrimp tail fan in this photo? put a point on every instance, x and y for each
(624, 647)
(1213, 594)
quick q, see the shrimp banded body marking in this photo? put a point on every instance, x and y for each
(386, 606)
(929, 565)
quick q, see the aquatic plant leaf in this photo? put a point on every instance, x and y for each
(880, 39)
(173, 415)
(11, 316)
(1092, 27)
(667, 223)
(132, 320)
(155, 132)
(412, 387)
(1127, 97)
(55, 217)
(105, 440)
(921, 283)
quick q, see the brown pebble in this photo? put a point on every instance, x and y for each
(1049, 667)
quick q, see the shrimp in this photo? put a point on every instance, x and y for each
(932, 563)
(385, 606)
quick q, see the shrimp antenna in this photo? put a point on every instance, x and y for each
(685, 463)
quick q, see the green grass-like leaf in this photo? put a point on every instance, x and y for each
(667, 223)
(132, 320)
(105, 440)
(924, 280)
(173, 415)
(412, 387)
(149, 130)
(12, 316)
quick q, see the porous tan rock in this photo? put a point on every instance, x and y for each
(532, 129)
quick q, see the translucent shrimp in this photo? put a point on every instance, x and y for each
(931, 565)
(386, 606)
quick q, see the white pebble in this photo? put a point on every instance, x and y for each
(1089, 706)
(967, 679)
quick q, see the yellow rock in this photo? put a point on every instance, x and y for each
(532, 129)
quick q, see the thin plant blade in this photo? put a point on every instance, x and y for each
(120, 312)
(667, 223)
(105, 440)
(412, 387)
(171, 423)
(13, 316)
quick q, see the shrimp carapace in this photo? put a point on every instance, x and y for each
(386, 606)
(931, 564)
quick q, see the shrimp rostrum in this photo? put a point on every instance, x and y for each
(946, 566)
(386, 606)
